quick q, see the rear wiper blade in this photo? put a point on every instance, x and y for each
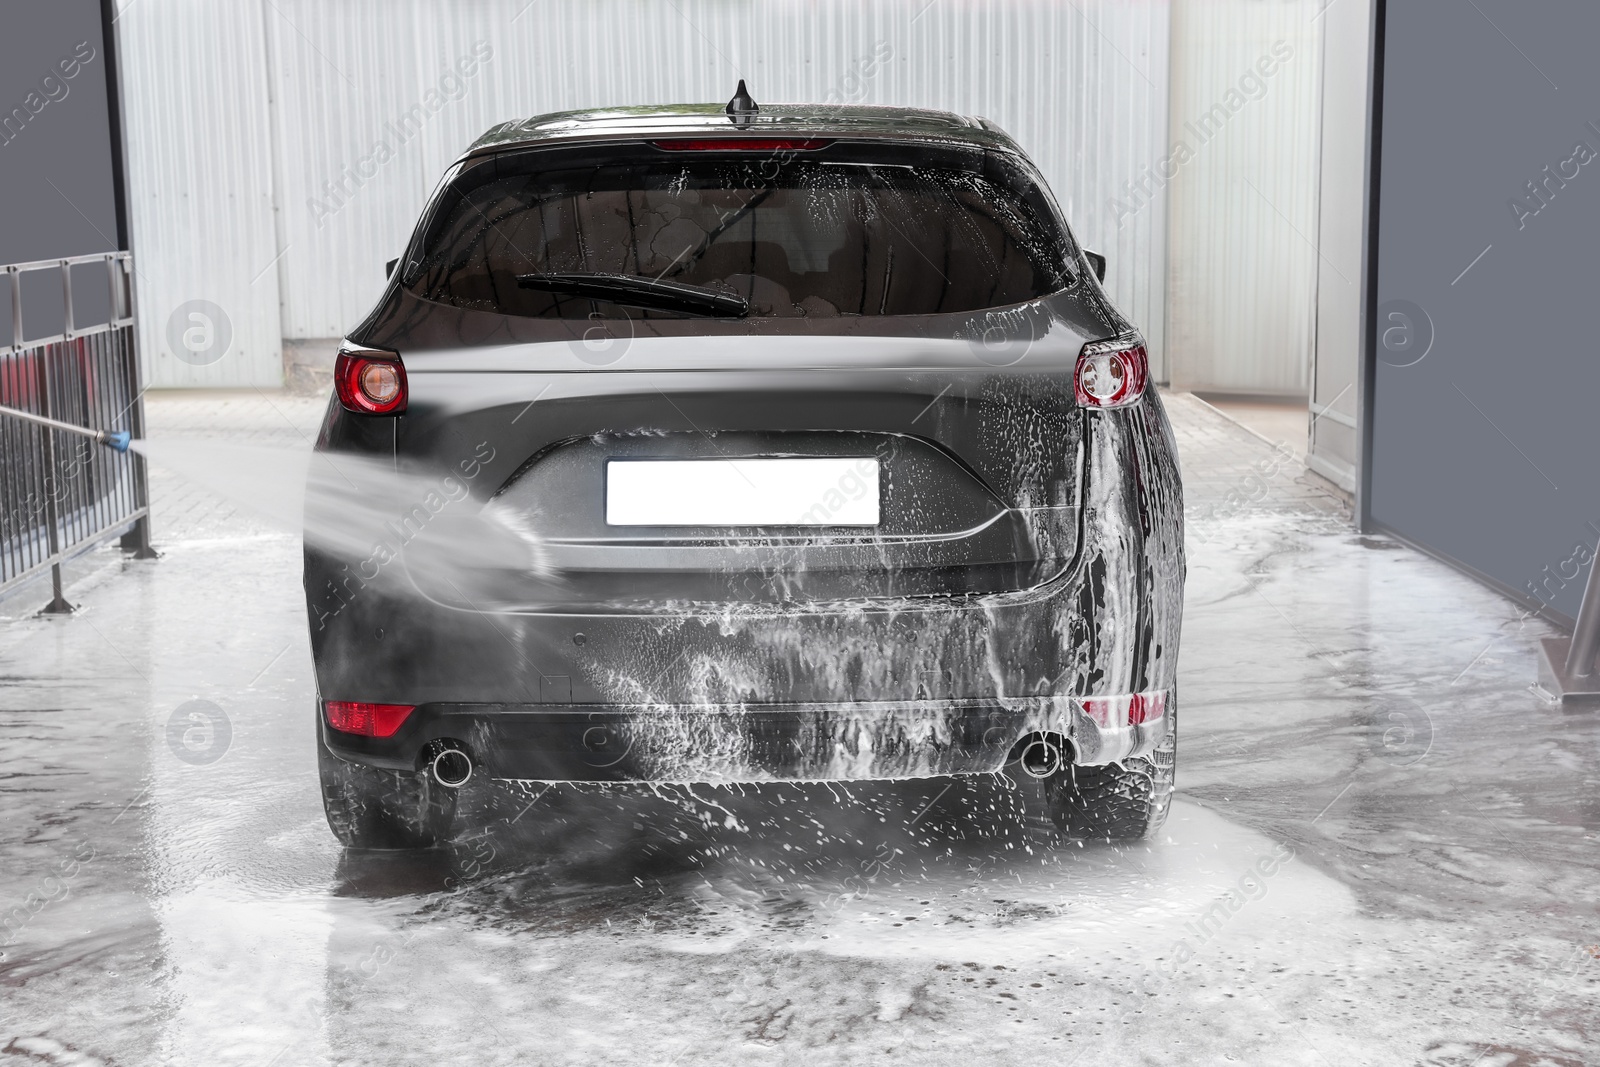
(637, 291)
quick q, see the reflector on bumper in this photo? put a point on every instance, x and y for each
(367, 720)
(1132, 710)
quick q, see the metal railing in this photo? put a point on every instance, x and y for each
(61, 493)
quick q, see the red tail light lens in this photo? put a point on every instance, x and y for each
(744, 144)
(367, 720)
(1112, 374)
(370, 381)
(1135, 709)
(1146, 707)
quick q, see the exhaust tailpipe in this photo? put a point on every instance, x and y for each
(1041, 758)
(451, 767)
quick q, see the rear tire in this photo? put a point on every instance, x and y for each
(368, 807)
(1115, 802)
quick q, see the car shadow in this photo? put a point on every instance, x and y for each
(579, 856)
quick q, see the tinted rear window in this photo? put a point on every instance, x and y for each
(829, 234)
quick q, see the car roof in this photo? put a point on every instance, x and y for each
(785, 120)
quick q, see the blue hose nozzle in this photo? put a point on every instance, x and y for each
(118, 440)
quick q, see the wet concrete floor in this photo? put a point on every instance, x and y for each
(1382, 851)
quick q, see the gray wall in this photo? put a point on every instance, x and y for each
(1485, 378)
(57, 193)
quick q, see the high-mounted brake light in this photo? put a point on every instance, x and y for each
(370, 381)
(367, 720)
(1112, 374)
(744, 144)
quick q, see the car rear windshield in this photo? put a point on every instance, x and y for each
(852, 230)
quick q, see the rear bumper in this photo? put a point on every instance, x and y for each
(1107, 623)
(755, 743)
(897, 688)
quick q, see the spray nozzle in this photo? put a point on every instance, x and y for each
(117, 440)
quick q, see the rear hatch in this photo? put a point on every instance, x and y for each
(807, 371)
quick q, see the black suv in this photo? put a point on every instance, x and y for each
(830, 456)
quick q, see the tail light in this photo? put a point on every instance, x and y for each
(370, 381)
(1112, 374)
(367, 720)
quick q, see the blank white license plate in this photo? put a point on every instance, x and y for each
(742, 492)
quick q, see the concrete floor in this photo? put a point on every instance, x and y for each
(1279, 421)
(1382, 851)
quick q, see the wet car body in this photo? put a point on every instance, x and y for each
(1022, 580)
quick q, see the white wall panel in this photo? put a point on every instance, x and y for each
(1082, 86)
(1243, 256)
(199, 166)
(1335, 448)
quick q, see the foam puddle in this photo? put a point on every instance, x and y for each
(1091, 943)
(364, 509)
(1167, 899)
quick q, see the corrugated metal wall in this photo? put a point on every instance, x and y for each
(199, 158)
(1243, 257)
(1082, 85)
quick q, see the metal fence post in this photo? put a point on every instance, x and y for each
(52, 513)
(1586, 634)
(66, 299)
(1567, 665)
(136, 540)
(16, 307)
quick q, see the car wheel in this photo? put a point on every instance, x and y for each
(368, 807)
(1115, 802)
